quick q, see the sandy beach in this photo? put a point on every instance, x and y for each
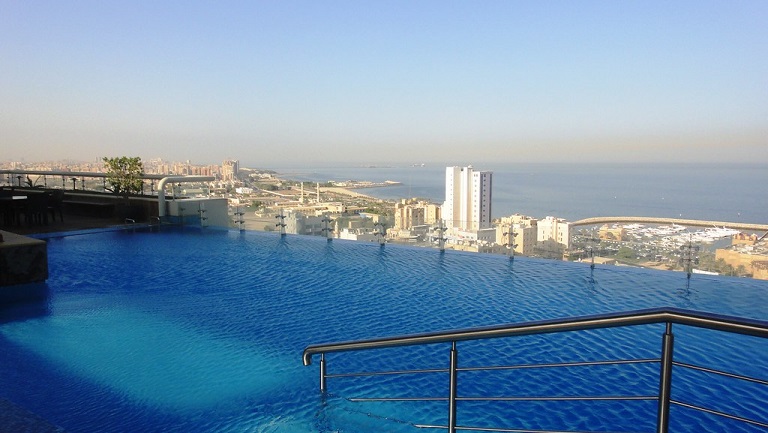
(347, 192)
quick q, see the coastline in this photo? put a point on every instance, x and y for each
(347, 192)
(719, 192)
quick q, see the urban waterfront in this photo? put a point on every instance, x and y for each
(717, 192)
(729, 192)
(662, 216)
(251, 391)
(560, 205)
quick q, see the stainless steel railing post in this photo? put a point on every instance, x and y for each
(323, 385)
(665, 380)
(452, 389)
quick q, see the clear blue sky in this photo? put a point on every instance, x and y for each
(277, 83)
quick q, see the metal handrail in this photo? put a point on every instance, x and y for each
(667, 316)
(611, 320)
(74, 173)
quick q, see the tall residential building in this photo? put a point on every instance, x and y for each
(229, 169)
(467, 203)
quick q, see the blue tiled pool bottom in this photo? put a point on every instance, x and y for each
(202, 331)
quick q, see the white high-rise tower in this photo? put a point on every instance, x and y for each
(467, 203)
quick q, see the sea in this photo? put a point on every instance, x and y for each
(714, 192)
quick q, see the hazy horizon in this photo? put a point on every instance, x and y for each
(298, 83)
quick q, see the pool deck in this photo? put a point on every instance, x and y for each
(22, 260)
(72, 222)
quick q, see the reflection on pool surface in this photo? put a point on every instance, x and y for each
(202, 331)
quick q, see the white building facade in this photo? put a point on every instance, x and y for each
(553, 232)
(468, 195)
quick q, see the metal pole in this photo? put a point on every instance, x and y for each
(452, 390)
(665, 380)
(323, 385)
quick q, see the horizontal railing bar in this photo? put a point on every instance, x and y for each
(532, 398)
(496, 367)
(641, 317)
(563, 398)
(504, 430)
(722, 373)
(75, 173)
(562, 364)
(722, 414)
(387, 373)
(371, 399)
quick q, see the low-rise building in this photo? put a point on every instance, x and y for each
(744, 253)
(553, 235)
(524, 230)
(300, 224)
(359, 234)
(414, 212)
(482, 240)
(760, 269)
(612, 233)
(744, 239)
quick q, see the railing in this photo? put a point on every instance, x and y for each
(667, 316)
(67, 180)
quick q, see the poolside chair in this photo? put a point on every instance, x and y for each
(56, 204)
(37, 209)
(9, 208)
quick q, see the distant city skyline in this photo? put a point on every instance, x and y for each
(276, 84)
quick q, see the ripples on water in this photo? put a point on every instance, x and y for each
(203, 331)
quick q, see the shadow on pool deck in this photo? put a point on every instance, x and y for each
(72, 222)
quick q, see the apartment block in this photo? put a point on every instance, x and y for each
(553, 234)
(468, 196)
(410, 213)
(229, 169)
(524, 229)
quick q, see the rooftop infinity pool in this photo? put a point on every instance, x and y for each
(202, 331)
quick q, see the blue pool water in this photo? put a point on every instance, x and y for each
(202, 331)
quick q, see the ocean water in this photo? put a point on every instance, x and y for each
(695, 191)
(202, 331)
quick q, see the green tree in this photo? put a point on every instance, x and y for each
(124, 174)
(625, 253)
